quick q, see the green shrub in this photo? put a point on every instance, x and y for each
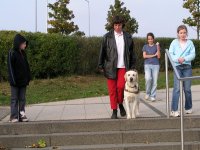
(6, 40)
(52, 55)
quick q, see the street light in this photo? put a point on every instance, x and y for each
(88, 16)
(35, 15)
(47, 17)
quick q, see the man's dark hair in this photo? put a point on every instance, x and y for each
(118, 20)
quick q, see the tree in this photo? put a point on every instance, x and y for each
(194, 20)
(78, 33)
(131, 25)
(61, 19)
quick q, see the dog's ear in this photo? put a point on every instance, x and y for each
(137, 76)
(125, 77)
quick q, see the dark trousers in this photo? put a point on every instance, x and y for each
(18, 101)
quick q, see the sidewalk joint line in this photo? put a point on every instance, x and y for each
(153, 108)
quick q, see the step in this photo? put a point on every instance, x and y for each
(135, 146)
(97, 138)
(49, 127)
(99, 132)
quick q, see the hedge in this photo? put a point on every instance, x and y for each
(52, 55)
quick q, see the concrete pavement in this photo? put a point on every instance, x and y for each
(97, 108)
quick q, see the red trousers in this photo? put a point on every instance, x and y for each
(116, 88)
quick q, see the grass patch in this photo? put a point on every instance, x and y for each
(62, 88)
(74, 87)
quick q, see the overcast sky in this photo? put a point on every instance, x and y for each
(161, 17)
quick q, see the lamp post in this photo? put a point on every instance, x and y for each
(47, 17)
(35, 15)
(88, 17)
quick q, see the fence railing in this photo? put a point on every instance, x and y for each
(181, 80)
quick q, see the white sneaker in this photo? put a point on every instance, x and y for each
(152, 99)
(146, 97)
(14, 120)
(189, 111)
(175, 114)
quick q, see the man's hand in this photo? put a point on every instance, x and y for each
(101, 70)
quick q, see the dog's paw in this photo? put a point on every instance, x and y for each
(128, 117)
(133, 117)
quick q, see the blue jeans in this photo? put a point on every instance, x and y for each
(151, 77)
(184, 71)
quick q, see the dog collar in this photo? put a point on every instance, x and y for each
(136, 92)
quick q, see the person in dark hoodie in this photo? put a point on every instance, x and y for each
(19, 77)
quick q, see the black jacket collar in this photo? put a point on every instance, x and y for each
(112, 34)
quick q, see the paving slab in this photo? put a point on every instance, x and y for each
(4, 111)
(97, 108)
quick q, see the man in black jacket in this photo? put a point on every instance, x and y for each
(19, 77)
(116, 57)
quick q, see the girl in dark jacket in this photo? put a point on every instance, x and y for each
(19, 77)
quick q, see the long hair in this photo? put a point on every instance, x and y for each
(182, 27)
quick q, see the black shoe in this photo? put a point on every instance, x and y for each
(23, 117)
(122, 110)
(114, 115)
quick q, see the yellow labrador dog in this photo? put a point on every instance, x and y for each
(131, 94)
